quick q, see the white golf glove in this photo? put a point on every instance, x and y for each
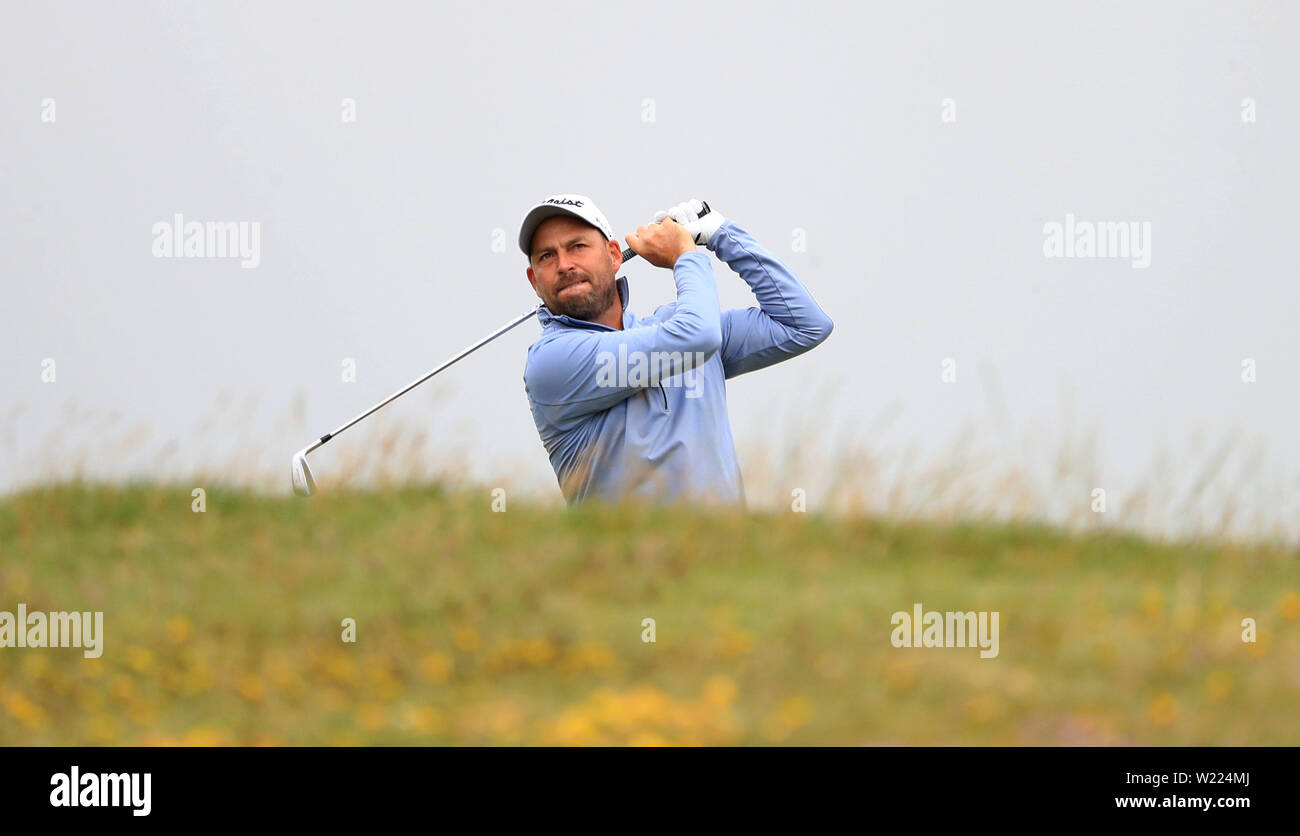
(688, 215)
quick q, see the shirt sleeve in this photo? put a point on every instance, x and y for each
(578, 372)
(787, 321)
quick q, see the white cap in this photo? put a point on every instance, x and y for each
(579, 206)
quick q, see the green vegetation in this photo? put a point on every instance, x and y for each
(525, 627)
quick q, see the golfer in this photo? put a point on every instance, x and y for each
(635, 407)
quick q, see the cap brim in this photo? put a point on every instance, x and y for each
(543, 213)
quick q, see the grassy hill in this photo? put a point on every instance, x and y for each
(526, 627)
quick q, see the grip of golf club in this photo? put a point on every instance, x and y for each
(704, 210)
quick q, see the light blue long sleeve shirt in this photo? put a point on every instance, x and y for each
(641, 413)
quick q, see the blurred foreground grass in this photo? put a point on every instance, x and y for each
(525, 627)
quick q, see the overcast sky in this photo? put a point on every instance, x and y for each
(902, 158)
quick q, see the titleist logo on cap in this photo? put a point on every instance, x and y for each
(563, 201)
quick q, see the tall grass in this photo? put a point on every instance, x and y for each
(1223, 492)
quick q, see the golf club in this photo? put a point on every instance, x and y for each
(303, 482)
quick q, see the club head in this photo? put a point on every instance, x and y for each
(303, 483)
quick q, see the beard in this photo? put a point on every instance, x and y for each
(588, 304)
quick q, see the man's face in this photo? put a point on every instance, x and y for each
(573, 266)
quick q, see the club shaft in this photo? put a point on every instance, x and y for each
(475, 347)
